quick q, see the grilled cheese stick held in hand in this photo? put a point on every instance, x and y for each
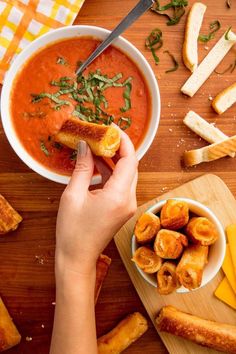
(216, 335)
(103, 140)
(192, 29)
(191, 265)
(174, 214)
(169, 244)
(202, 231)
(147, 260)
(167, 280)
(9, 218)
(123, 335)
(146, 228)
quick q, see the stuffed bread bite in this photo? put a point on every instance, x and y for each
(146, 228)
(169, 244)
(147, 260)
(201, 230)
(103, 140)
(167, 280)
(191, 265)
(174, 214)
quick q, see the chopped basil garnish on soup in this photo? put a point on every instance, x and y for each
(43, 148)
(86, 94)
(61, 61)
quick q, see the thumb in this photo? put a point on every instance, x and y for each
(84, 167)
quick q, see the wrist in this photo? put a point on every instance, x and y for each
(82, 266)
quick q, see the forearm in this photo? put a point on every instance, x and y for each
(74, 330)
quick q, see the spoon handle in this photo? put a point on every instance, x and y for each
(133, 15)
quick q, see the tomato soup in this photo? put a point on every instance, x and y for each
(47, 92)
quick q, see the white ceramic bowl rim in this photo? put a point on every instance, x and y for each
(218, 263)
(50, 38)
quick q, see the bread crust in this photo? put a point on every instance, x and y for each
(123, 335)
(210, 153)
(9, 218)
(223, 100)
(216, 335)
(9, 335)
(191, 58)
(103, 140)
(102, 267)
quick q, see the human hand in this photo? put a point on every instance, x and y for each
(87, 220)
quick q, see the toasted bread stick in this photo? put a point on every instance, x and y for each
(103, 140)
(204, 129)
(9, 335)
(209, 63)
(210, 152)
(9, 218)
(216, 335)
(123, 335)
(225, 99)
(192, 29)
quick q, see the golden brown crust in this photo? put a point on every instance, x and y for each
(9, 335)
(174, 214)
(201, 230)
(123, 335)
(170, 244)
(210, 152)
(211, 334)
(217, 103)
(167, 280)
(103, 140)
(191, 265)
(146, 228)
(9, 218)
(198, 9)
(102, 267)
(147, 260)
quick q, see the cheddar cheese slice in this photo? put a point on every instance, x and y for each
(228, 269)
(231, 235)
(225, 293)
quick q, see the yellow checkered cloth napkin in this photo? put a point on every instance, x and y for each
(21, 21)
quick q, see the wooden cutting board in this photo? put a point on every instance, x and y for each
(213, 192)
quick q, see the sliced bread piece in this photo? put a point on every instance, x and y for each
(210, 152)
(208, 65)
(225, 99)
(204, 129)
(192, 29)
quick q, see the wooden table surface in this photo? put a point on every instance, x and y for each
(27, 256)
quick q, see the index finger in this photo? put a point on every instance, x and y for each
(126, 167)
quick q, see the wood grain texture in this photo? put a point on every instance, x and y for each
(27, 282)
(212, 192)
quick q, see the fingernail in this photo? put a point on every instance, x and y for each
(82, 148)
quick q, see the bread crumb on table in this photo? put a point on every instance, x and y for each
(28, 339)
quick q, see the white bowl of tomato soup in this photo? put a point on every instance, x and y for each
(41, 91)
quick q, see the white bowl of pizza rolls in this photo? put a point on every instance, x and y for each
(178, 245)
